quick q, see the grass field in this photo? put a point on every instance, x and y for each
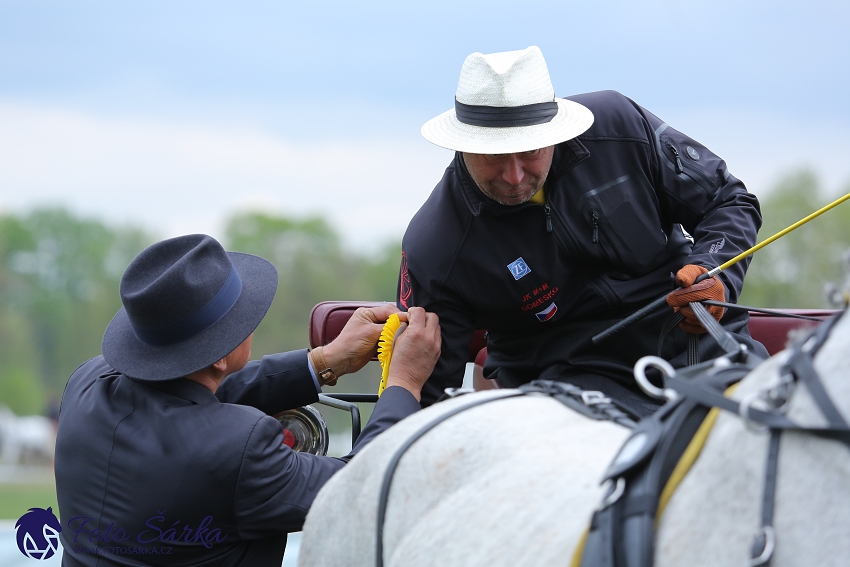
(16, 498)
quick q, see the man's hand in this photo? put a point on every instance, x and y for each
(711, 288)
(415, 351)
(355, 344)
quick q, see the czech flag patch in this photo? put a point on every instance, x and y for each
(547, 313)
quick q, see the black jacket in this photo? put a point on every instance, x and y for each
(544, 279)
(166, 473)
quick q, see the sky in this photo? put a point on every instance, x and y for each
(173, 115)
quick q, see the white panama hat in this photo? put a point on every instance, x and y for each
(505, 103)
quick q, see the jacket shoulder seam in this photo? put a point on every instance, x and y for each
(614, 139)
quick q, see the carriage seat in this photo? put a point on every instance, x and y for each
(329, 317)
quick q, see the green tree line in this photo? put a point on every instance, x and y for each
(59, 276)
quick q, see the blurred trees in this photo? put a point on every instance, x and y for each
(312, 266)
(792, 271)
(58, 289)
(59, 277)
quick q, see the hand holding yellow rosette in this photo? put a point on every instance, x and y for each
(385, 348)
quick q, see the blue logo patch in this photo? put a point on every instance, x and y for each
(519, 268)
(37, 533)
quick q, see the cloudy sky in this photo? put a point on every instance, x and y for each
(173, 114)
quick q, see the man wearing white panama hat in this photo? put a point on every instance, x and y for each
(557, 218)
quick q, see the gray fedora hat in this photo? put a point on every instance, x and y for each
(187, 303)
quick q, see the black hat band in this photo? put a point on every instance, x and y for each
(205, 317)
(506, 116)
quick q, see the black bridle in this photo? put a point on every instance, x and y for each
(797, 368)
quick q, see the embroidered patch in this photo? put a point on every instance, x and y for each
(547, 313)
(404, 289)
(519, 268)
(717, 246)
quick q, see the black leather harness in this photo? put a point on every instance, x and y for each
(622, 532)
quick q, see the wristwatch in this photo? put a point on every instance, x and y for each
(327, 377)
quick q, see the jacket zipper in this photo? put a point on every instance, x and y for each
(566, 241)
(675, 152)
(595, 228)
(548, 212)
(680, 168)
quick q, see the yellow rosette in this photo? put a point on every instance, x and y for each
(385, 348)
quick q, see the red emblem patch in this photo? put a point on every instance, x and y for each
(404, 291)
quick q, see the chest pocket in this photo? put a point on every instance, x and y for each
(623, 226)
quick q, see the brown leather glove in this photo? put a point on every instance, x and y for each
(711, 288)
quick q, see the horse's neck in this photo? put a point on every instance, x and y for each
(832, 363)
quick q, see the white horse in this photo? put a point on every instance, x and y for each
(514, 483)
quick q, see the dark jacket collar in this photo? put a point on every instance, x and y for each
(183, 389)
(567, 155)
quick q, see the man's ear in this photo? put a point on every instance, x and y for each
(220, 365)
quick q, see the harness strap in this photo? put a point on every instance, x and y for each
(693, 349)
(769, 419)
(774, 312)
(628, 510)
(669, 325)
(801, 366)
(388, 474)
(726, 341)
(765, 541)
(593, 404)
(688, 458)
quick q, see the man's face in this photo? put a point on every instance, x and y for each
(510, 179)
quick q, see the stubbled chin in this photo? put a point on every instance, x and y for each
(513, 199)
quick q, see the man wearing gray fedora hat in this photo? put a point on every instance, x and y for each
(560, 216)
(166, 453)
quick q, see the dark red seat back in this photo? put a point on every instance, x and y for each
(773, 331)
(329, 317)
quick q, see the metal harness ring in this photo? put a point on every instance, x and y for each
(744, 412)
(767, 550)
(615, 495)
(648, 388)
